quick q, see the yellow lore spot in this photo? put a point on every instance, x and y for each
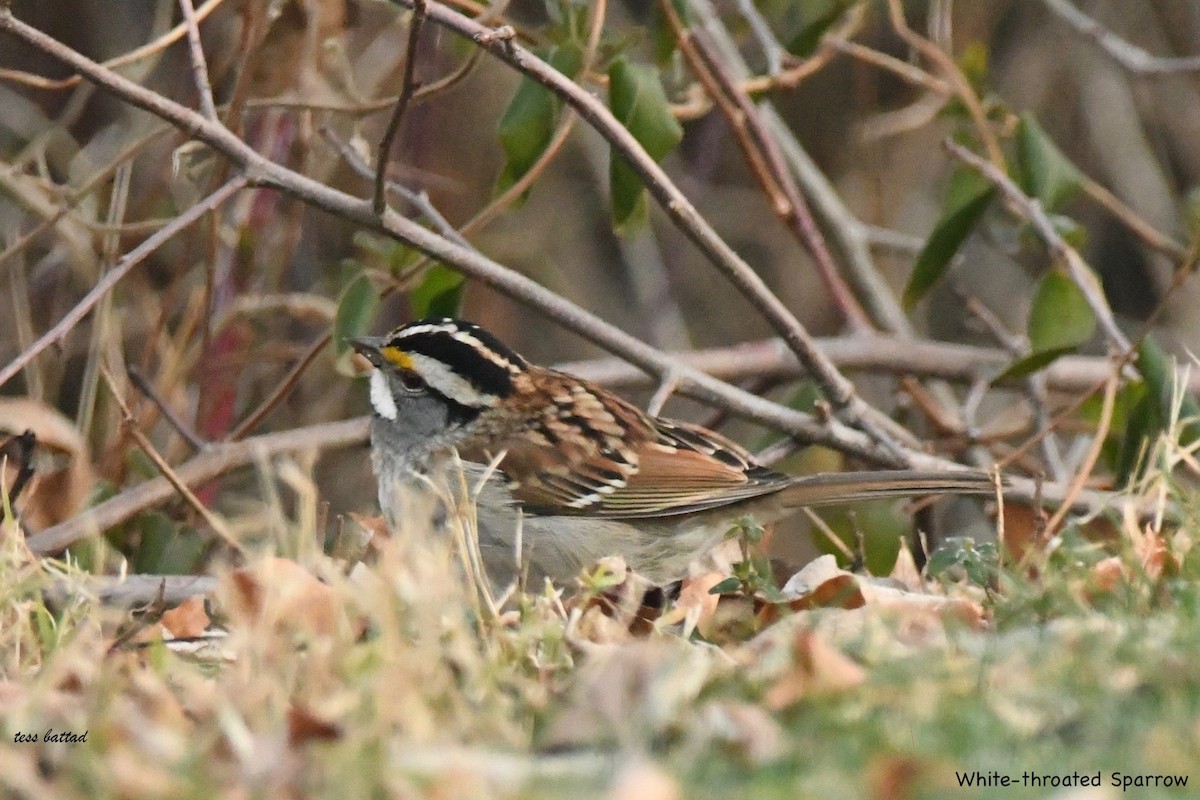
(397, 357)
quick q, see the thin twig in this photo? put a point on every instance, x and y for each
(132, 590)
(765, 162)
(199, 65)
(1128, 55)
(954, 75)
(214, 522)
(1068, 256)
(379, 201)
(1136, 225)
(145, 51)
(120, 270)
(1085, 471)
(213, 462)
(76, 196)
(419, 200)
(144, 386)
(255, 418)
(1035, 383)
(773, 51)
(843, 228)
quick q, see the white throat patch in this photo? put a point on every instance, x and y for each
(381, 396)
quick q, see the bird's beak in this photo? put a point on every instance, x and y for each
(369, 348)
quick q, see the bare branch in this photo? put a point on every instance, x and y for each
(145, 387)
(1068, 256)
(199, 66)
(132, 590)
(881, 354)
(765, 162)
(407, 88)
(213, 462)
(1128, 55)
(145, 51)
(121, 269)
(216, 523)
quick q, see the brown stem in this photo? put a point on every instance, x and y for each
(407, 88)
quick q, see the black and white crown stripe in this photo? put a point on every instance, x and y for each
(459, 360)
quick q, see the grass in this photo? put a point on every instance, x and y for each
(390, 679)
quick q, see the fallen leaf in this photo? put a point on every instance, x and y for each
(1152, 552)
(696, 605)
(55, 495)
(638, 688)
(905, 571)
(822, 583)
(894, 777)
(284, 594)
(1108, 574)
(816, 668)
(187, 620)
(305, 726)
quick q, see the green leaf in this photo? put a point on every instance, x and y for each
(1060, 317)
(1142, 427)
(356, 308)
(527, 125)
(661, 33)
(1030, 364)
(1158, 369)
(805, 42)
(948, 235)
(166, 547)
(637, 99)
(1043, 170)
(728, 586)
(439, 293)
(1059, 321)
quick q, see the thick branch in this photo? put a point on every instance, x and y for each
(882, 354)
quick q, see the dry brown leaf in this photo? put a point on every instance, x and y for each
(642, 686)
(917, 605)
(305, 726)
(816, 668)
(1108, 574)
(893, 777)
(1152, 551)
(822, 583)
(187, 620)
(54, 496)
(374, 526)
(905, 571)
(282, 593)
(696, 605)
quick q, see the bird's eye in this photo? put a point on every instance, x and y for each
(412, 381)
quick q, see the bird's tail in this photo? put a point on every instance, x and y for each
(847, 487)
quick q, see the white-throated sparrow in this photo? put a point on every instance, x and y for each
(594, 475)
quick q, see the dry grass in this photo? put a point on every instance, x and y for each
(390, 677)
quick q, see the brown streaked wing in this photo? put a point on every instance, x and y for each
(676, 468)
